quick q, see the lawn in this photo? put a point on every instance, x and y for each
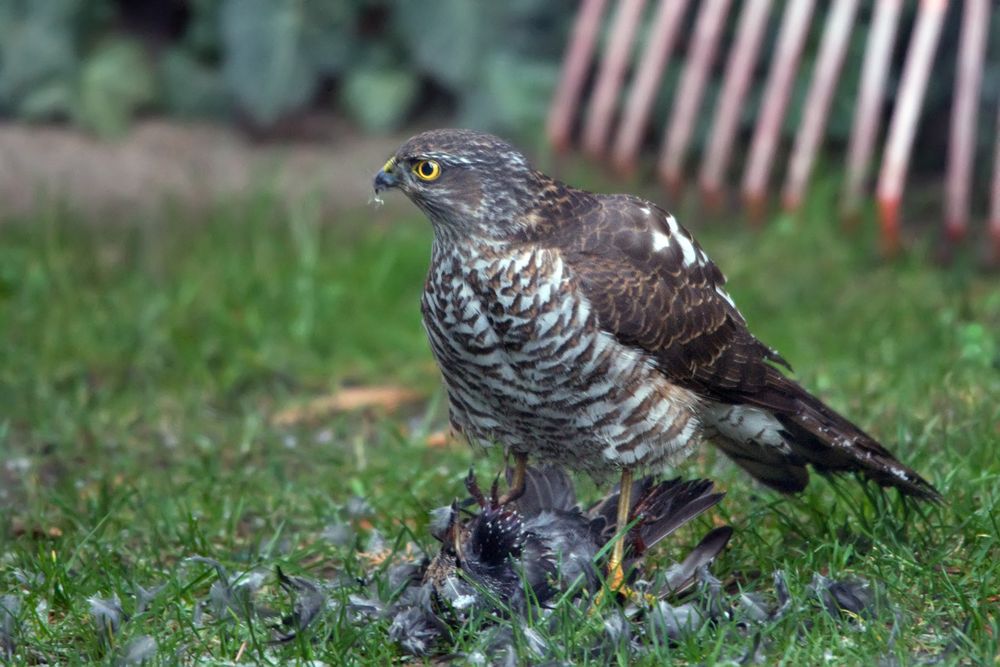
(143, 363)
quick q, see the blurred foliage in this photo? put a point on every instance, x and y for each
(100, 62)
(38, 63)
(115, 81)
(265, 63)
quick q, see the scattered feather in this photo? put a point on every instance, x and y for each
(417, 630)
(338, 534)
(358, 507)
(308, 600)
(145, 596)
(784, 597)
(440, 518)
(226, 600)
(140, 650)
(753, 608)
(856, 597)
(364, 609)
(10, 610)
(402, 575)
(198, 613)
(675, 623)
(107, 615)
(219, 568)
(230, 596)
(535, 643)
(376, 543)
(28, 579)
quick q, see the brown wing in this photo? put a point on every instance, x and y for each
(654, 289)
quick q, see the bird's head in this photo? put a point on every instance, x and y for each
(471, 185)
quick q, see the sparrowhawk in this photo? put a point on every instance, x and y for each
(593, 331)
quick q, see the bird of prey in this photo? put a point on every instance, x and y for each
(593, 331)
(542, 544)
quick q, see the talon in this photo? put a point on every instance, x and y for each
(615, 583)
(519, 483)
(495, 492)
(472, 486)
(616, 571)
(510, 496)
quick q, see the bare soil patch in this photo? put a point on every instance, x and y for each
(190, 166)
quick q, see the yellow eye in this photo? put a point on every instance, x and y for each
(427, 170)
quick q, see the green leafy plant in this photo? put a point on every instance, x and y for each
(115, 82)
(265, 64)
(379, 98)
(38, 59)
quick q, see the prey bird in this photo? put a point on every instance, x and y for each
(592, 331)
(543, 544)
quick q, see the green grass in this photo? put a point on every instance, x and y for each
(141, 361)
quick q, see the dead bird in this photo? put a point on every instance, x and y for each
(543, 544)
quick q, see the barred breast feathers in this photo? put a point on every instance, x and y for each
(526, 363)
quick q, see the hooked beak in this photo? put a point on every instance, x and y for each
(385, 178)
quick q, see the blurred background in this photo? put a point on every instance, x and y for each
(210, 340)
(128, 101)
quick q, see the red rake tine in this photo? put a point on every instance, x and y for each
(647, 81)
(739, 73)
(995, 199)
(903, 126)
(794, 29)
(962, 145)
(707, 32)
(579, 55)
(832, 50)
(865, 126)
(611, 76)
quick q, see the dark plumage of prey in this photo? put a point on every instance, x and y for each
(535, 548)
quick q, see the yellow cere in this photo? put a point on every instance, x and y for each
(427, 170)
(390, 163)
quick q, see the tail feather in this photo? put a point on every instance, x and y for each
(681, 576)
(784, 428)
(669, 505)
(832, 443)
(662, 508)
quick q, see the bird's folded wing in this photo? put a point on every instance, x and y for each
(654, 289)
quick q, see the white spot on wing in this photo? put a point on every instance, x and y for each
(672, 224)
(660, 241)
(690, 257)
(691, 254)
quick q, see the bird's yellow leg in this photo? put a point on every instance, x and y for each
(516, 489)
(616, 570)
(616, 566)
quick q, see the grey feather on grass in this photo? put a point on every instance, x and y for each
(107, 615)
(10, 610)
(145, 596)
(230, 596)
(140, 650)
(308, 600)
